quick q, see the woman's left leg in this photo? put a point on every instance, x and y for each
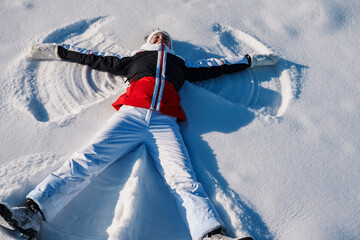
(166, 146)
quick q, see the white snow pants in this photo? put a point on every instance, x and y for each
(126, 130)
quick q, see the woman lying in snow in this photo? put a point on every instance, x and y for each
(147, 114)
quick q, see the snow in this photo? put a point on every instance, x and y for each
(276, 148)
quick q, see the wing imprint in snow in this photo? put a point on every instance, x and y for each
(55, 91)
(266, 90)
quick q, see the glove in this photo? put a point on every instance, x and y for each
(258, 60)
(47, 51)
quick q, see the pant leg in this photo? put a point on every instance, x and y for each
(123, 132)
(166, 146)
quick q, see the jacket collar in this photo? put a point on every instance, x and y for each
(155, 47)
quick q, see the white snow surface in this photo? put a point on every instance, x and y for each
(276, 148)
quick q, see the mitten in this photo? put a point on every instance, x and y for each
(263, 60)
(47, 51)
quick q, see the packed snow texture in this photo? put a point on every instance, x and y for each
(276, 148)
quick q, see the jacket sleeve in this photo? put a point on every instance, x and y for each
(214, 67)
(102, 61)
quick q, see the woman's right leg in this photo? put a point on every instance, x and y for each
(123, 132)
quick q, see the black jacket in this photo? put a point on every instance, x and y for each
(159, 63)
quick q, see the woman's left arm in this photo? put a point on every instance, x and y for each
(214, 67)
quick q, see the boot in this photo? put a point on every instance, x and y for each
(26, 219)
(219, 235)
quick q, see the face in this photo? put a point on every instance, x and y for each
(160, 38)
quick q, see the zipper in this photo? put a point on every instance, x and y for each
(159, 79)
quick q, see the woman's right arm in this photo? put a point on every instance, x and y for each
(102, 61)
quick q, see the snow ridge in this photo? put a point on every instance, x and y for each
(29, 171)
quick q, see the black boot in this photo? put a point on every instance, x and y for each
(25, 219)
(218, 234)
